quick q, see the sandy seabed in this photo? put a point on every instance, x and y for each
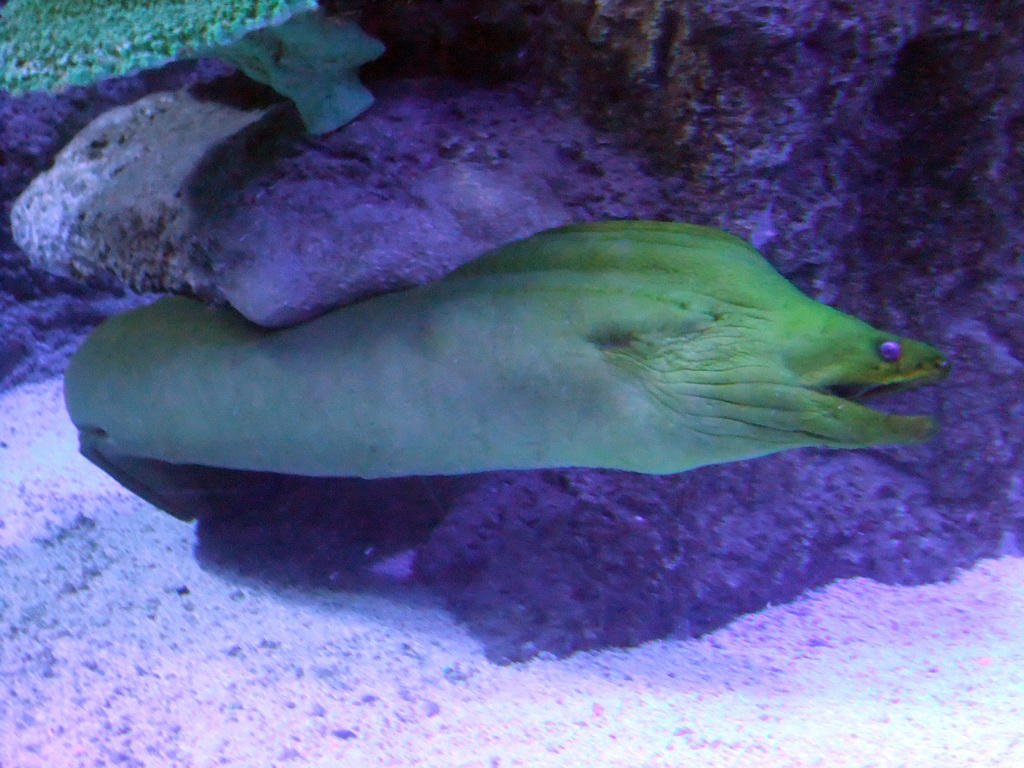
(117, 649)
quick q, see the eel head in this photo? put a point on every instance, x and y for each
(842, 361)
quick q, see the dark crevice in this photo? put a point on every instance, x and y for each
(668, 28)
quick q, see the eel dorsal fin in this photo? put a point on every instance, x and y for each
(675, 250)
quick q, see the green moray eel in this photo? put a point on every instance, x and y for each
(633, 345)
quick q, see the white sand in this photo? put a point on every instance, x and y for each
(103, 662)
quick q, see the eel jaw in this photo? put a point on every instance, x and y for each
(869, 426)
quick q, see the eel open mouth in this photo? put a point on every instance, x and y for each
(937, 370)
(858, 392)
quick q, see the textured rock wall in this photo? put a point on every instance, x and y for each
(800, 114)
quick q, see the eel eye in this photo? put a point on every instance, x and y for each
(890, 351)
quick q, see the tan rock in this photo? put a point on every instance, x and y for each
(113, 201)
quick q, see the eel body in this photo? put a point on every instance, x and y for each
(642, 346)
